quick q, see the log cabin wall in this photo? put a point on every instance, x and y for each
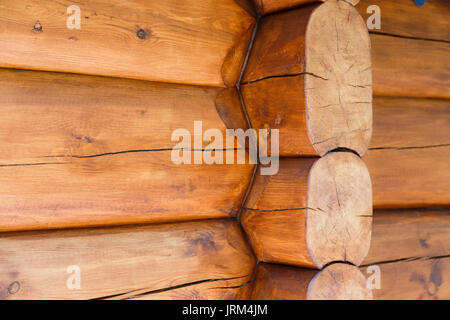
(87, 179)
(408, 160)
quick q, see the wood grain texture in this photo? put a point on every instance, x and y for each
(414, 280)
(325, 205)
(278, 236)
(402, 18)
(64, 115)
(278, 282)
(402, 280)
(406, 234)
(319, 57)
(410, 67)
(128, 262)
(95, 151)
(336, 282)
(410, 178)
(196, 42)
(410, 123)
(339, 281)
(269, 6)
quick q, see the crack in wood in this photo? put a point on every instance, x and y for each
(138, 293)
(407, 37)
(411, 147)
(284, 76)
(407, 260)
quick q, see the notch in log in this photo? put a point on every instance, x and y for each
(309, 75)
(331, 200)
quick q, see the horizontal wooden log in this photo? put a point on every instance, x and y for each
(410, 177)
(408, 155)
(178, 261)
(196, 42)
(427, 279)
(406, 234)
(318, 56)
(85, 151)
(410, 67)
(412, 280)
(336, 282)
(269, 6)
(277, 233)
(410, 123)
(402, 18)
(332, 204)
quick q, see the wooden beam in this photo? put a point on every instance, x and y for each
(402, 280)
(269, 6)
(193, 260)
(410, 123)
(403, 18)
(331, 201)
(427, 279)
(319, 57)
(408, 155)
(410, 67)
(96, 151)
(196, 42)
(336, 282)
(410, 178)
(277, 234)
(406, 234)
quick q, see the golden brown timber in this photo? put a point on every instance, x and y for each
(405, 234)
(410, 67)
(410, 123)
(402, 18)
(410, 177)
(318, 57)
(336, 282)
(96, 151)
(331, 200)
(425, 279)
(197, 42)
(268, 6)
(396, 234)
(127, 262)
(420, 279)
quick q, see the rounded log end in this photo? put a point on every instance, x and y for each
(339, 281)
(338, 79)
(339, 209)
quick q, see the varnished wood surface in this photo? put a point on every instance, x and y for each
(196, 42)
(96, 151)
(270, 6)
(278, 282)
(327, 87)
(427, 279)
(328, 217)
(410, 67)
(336, 282)
(404, 234)
(408, 123)
(403, 18)
(417, 177)
(401, 280)
(128, 262)
(57, 115)
(278, 236)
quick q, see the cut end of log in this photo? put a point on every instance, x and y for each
(339, 281)
(338, 79)
(339, 209)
